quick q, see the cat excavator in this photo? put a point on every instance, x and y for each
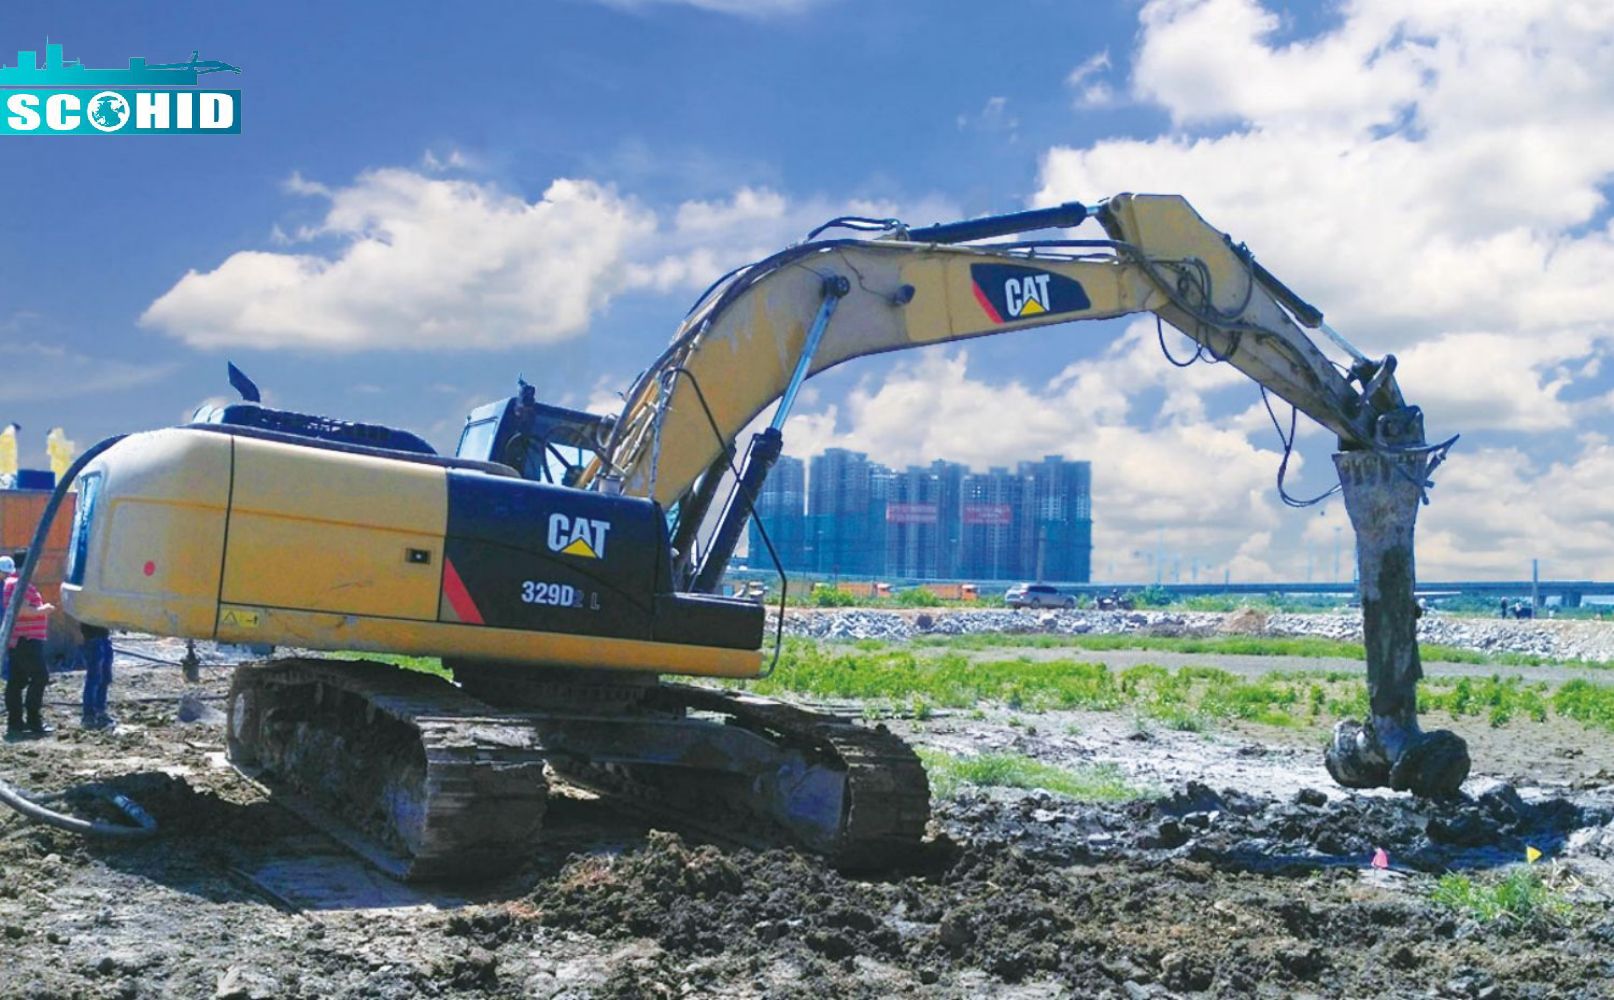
(562, 564)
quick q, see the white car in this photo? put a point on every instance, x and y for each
(1037, 595)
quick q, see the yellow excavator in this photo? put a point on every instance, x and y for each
(562, 563)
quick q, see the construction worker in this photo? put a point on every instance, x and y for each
(97, 675)
(25, 684)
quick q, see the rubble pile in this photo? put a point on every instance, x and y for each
(1557, 640)
(1310, 829)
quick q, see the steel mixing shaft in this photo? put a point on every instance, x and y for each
(1382, 491)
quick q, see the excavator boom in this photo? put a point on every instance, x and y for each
(1161, 258)
(754, 338)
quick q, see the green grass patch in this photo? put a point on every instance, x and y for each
(1520, 898)
(893, 679)
(1238, 645)
(421, 664)
(1306, 647)
(1092, 783)
(951, 680)
(1498, 699)
(1191, 698)
(1587, 703)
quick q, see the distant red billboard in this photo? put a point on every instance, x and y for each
(910, 513)
(997, 515)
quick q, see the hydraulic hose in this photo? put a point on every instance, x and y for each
(16, 798)
(146, 825)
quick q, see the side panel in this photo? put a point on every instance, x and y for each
(314, 630)
(540, 558)
(156, 539)
(326, 531)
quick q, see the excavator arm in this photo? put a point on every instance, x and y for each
(753, 339)
(744, 343)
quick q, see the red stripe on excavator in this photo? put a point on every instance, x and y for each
(986, 303)
(458, 597)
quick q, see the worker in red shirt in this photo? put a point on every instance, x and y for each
(25, 684)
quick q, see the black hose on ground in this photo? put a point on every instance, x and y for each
(16, 798)
(145, 825)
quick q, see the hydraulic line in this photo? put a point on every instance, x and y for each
(11, 795)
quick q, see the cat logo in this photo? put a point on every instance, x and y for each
(579, 536)
(1007, 292)
(1028, 298)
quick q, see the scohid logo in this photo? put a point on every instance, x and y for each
(69, 98)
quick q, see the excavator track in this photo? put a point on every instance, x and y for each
(426, 781)
(881, 810)
(406, 770)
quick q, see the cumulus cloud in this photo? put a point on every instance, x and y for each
(403, 259)
(1430, 175)
(1433, 175)
(420, 262)
(1500, 507)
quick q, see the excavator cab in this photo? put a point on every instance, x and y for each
(543, 443)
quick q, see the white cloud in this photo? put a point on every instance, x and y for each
(708, 238)
(1091, 90)
(1431, 175)
(410, 260)
(1498, 508)
(1434, 178)
(423, 263)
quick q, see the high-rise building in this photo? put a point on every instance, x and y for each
(989, 519)
(1056, 523)
(922, 522)
(782, 510)
(854, 517)
(911, 520)
(949, 478)
(838, 514)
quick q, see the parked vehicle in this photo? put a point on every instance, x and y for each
(1037, 595)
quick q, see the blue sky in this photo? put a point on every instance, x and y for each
(425, 202)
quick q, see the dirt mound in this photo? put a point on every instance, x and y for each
(1238, 832)
(1131, 927)
(1244, 621)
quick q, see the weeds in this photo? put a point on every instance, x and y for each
(1090, 783)
(1191, 698)
(951, 680)
(1587, 703)
(1307, 647)
(1518, 899)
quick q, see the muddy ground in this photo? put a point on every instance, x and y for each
(1245, 873)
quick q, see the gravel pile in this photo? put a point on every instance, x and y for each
(1558, 640)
